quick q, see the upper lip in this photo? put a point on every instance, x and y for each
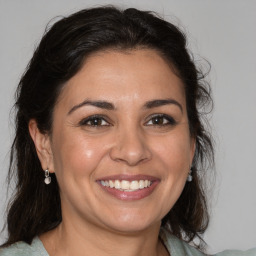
(129, 177)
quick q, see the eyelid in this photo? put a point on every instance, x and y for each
(170, 119)
(92, 117)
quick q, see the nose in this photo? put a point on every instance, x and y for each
(130, 147)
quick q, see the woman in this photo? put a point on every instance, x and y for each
(109, 141)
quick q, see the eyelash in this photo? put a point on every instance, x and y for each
(85, 121)
(166, 119)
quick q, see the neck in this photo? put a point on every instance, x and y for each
(73, 239)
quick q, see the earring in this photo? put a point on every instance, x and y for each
(47, 179)
(190, 178)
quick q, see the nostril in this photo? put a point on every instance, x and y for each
(130, 151)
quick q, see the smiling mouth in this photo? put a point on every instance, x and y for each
(129, 187)
(125, 185)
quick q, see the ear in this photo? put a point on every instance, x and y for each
(43, 146)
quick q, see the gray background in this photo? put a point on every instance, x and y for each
(222, 31)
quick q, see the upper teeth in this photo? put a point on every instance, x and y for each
(126, 185)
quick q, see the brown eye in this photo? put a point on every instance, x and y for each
(158, 120)
(161, 120)
(95, 121)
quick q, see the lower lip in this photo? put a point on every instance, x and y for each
(131, 195)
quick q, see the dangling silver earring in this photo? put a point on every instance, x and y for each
(47, 179)
(190, 178)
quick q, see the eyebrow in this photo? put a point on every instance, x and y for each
(162, 102)
(110, 106)
(98, 104)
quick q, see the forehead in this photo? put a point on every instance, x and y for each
(121, 75)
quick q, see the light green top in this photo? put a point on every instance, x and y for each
(175, 247)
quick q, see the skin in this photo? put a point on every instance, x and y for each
(128, 140)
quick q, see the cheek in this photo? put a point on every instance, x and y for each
(76, 155)
(174, 152)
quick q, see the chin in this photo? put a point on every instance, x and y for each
(132, 224)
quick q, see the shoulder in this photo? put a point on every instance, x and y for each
(251, 252)
(177, 247)
(23, 249)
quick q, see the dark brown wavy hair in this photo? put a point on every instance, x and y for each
(36, 208)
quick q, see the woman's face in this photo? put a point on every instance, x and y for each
(120, 144)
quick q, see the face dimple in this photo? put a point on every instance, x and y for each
(143, 135)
